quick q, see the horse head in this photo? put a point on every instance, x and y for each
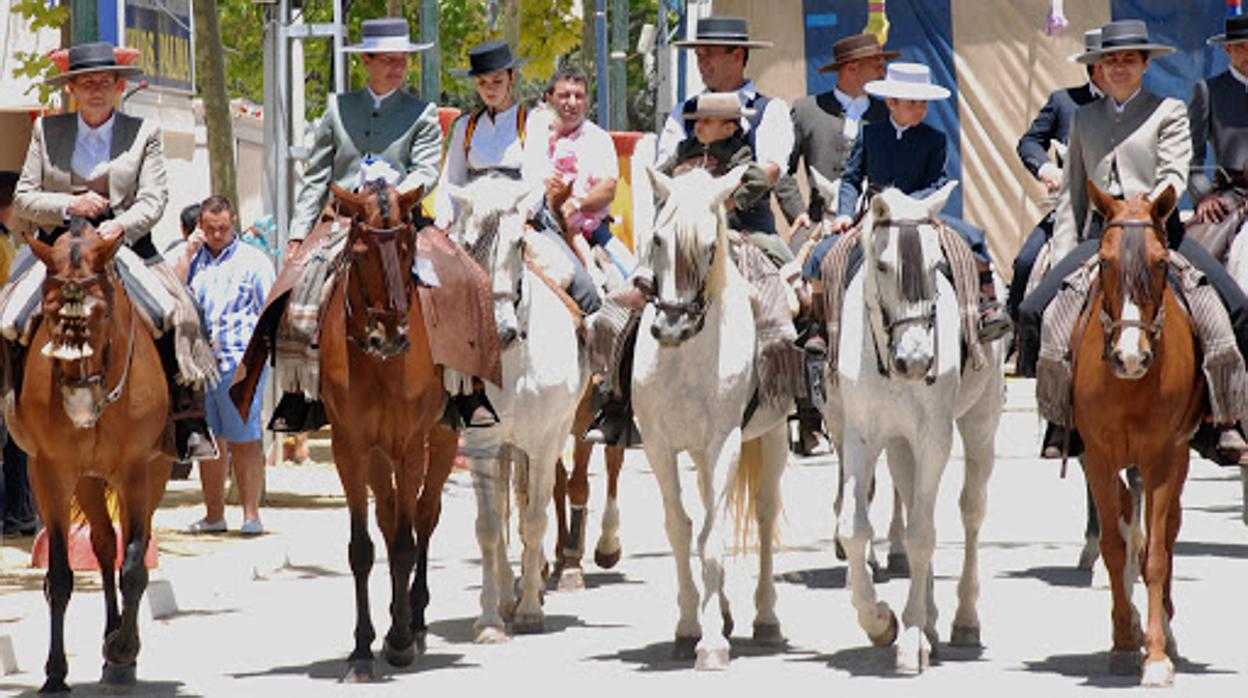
(902, 254)
(79, 299)
(381, 247)
(1133, 259)
(688, 249)
(490, 224)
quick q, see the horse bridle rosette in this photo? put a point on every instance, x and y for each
(70, 335)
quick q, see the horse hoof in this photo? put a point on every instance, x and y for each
(507, 610)
(768, 634)
(914, 653)
(120, 650)
(712, 660)
(1158, 673)
(898, 565)
(396, 656)
(54, 686)
(118, 675)
(685, 648)
(528, 624)
(965, 636)
(421, 643)
(1100, 575)
(840, 551)
(490, 635)
(360, 671)
(606, 561)
(878, 576)
(1089, 555)
(1124, 662)
(889, 636)
(571, 579)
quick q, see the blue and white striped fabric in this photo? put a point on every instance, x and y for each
(231, 289)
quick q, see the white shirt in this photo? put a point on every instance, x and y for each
(854, 108)
(91, 149)
(899, 129)
(584, 157)
(495, 143)
(378, 99)
(1122, 107)
(772, 144)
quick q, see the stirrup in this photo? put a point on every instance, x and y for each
(613, 426)
(994, 322)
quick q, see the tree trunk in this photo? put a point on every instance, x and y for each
(589, 37)
(394, 8)
(210, 67)
(511, 23)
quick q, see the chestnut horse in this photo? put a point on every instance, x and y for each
(90, 413)
(384, 396)
(1138, 397)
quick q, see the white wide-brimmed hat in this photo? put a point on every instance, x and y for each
(907, 81)
(389, 35)
(719, 105)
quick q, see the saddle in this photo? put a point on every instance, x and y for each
(457, 307)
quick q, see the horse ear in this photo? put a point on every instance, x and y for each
(410, 199)
(661, 183)
(728, 183)
(1164, 204)
(111, 245)
(41, 250)
(830, 190)
(352, 204)
(936, 201)
(1101, 201)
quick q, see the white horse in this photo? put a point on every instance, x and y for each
(1237, 265)
(693, 377)
(545, 373)
(901, 367)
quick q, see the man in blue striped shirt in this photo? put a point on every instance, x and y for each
(230, 279)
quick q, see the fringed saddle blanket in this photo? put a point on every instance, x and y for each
(1222, 364)
(836, 277)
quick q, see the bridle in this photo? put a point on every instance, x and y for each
(75, 291)
(883, 330)
(398, 292)
(1108, 324)
(696, 308)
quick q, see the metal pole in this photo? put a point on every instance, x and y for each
(663, 63)
(281, 130)
(619, 64)
(604, 92)
(271, 30)
(430, 61)
(339, 58)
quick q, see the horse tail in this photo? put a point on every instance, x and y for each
(743, 495)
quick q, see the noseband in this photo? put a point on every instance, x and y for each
(1108, 324)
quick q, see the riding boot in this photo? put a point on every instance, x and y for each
(1057, 438)
(994, 321)
(1221, 443)
(192, 439)
(613, 424)
(474, 410)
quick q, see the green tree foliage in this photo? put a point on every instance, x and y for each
(39, 15)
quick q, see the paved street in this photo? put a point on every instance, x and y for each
(274, 615)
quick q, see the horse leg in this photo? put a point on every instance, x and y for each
(573, 548)
(408, 468)
(1162, 485)
(491, 492)
(360, 555)
(717, 469)
(560, 498)
(139, 494)
(1091, 532)
(52, 494)
(443, 446)
(898, 563)
(978, 454)
(917, 477)
(90, 493)
(608, 549)
(1112, 502)
(854, 533)
(538, 483)
(767, 508)
(679, 530)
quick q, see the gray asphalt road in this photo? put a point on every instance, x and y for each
(274, 615)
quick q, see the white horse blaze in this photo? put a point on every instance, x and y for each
(1128, 346)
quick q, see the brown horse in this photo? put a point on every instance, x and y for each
(90, 414)
(384, 396)
(571, 497)
(1138, 397)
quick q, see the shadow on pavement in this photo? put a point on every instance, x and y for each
(335, 669)
(818, 578)
(1093, 668)
(142, 688)
(460, 630)
(1223, 550)
(1066, 576)
(658, 656)
(880, 662)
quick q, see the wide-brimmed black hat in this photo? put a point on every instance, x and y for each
(95, 57)
(1236, 31)
(389, 35)
(488, 58)
(722, 31)
(1124, 35)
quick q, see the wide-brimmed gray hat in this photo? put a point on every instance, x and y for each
(489, 57)
(95, 57)
(1091, 42)
(389, 35)
(722, 31)
(907, 81)
(1124, 35)
(1236, 32)
(719, 105)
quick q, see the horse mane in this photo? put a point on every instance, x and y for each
(1133, 264)
(687, 217)
(910, 260)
